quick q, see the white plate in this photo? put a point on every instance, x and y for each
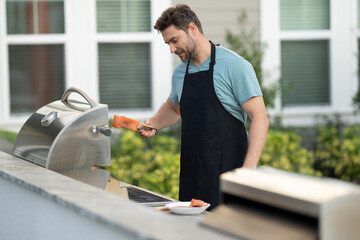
(174, 207)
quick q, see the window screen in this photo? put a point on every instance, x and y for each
(305, 72)
(34, 16)
(123, 15)
(304, 14)
(36, 76)
(124, 75)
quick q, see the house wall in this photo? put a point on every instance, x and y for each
(342, 35)
(218, 16)
(263, 15)
(80, 42)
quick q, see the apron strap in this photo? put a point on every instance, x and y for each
(212, 61)
(212, 53)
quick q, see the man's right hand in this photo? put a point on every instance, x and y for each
(145, 131)
(167, 115)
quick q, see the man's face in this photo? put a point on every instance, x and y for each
(181, 43)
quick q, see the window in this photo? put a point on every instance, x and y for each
(304, 59)
(304, 14)
(123, 16)
(124, 67)
(33, 16)
(124, 72)
(36, 71)
(305, 70)
(36, 76)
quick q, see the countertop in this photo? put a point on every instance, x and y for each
(112, 211)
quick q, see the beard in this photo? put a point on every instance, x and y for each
(189, 50)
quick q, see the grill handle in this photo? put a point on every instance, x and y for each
(78, 90)
(49, 118)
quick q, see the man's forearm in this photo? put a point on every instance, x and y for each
(256, 141)
(167, 115)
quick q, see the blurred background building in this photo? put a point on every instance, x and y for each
(109, 48)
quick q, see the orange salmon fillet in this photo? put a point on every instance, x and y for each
(197, 203)
(122, 121)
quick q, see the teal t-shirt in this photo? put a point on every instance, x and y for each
(235, 81)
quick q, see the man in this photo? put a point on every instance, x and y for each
(213, 91)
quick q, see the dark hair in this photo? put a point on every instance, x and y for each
(180, 16)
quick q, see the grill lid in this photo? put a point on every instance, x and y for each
(69, 137)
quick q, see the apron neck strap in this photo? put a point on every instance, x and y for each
(212, 53)
(212, 61)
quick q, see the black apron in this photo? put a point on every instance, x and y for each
(212, 140)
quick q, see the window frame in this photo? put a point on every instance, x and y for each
(271, 35)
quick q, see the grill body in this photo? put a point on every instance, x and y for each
(69, 137)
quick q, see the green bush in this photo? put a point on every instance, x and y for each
(153, 164)
(283, 151)
(338, 153)
(8, 136)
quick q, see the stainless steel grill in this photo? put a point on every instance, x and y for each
(266, 203)
(69, 137)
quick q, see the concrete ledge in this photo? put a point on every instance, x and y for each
(42, 204)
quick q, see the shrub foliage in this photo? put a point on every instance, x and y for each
(283, 151)
(338, 153)
(153, 164)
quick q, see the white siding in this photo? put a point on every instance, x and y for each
(217, 16)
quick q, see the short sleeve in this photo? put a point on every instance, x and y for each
(174, 97)
(244, 81)
(177, 82)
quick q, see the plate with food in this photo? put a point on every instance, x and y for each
(195, 206)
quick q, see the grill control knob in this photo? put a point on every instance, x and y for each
(104, 130)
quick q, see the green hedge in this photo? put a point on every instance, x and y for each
(283, 151)
(338, 153)
(151, 164)
(154, 164)
(8, 136)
